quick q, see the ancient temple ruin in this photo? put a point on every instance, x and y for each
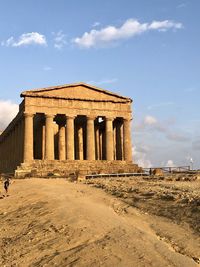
(69, 128)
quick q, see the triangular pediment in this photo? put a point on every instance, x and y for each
(81, 91)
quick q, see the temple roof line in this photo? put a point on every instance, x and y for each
(33, 92)
(79, 99)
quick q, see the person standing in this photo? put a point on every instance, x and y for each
(6, 185)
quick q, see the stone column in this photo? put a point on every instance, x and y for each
(109, 139)
(22, 139)
(11, 151)
(100, 145)
(49, 137)
(17, 144)
(5, 151)
(13, 148)
(80, 142)
(90, 144)
(61, 142)
(28, 137)
(97, 143)
(118, 141)
(43, 141)
(70, 137)
(127, 140)
(8, 150)
(1, 156)
(114, 141)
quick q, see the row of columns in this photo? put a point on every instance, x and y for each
(11, 146)
(17, 145)
(66, 139)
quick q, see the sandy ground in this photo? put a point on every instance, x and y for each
(57, 223)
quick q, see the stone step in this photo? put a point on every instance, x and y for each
(64, 168)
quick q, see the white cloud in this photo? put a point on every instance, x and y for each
(196, 144)
(182, 5)
(129, 29)
(165, 25)
(140, 157)
(59, 40)
(160, 105)
(47, 68)
(96, 24)
(150, 123)
(8, 111)
(177, 137)
(170, 163)
(191, 89)
(106, 81)
(8, 42)
(26, 39)
(150, 120)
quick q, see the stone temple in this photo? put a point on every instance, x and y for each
(74, 128)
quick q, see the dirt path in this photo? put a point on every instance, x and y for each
(57, 223)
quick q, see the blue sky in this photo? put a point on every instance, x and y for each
(145, 49)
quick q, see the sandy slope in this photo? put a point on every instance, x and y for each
(58, 223)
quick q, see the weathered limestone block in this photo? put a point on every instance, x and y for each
(158, 172)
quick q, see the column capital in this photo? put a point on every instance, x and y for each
(91, 117)
(28, 114)
(109, 118)
(47, 115)
(70, 117)
(127, 119)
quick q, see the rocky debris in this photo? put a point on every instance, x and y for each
(173, 177)
(177, 199)
(157, 172)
